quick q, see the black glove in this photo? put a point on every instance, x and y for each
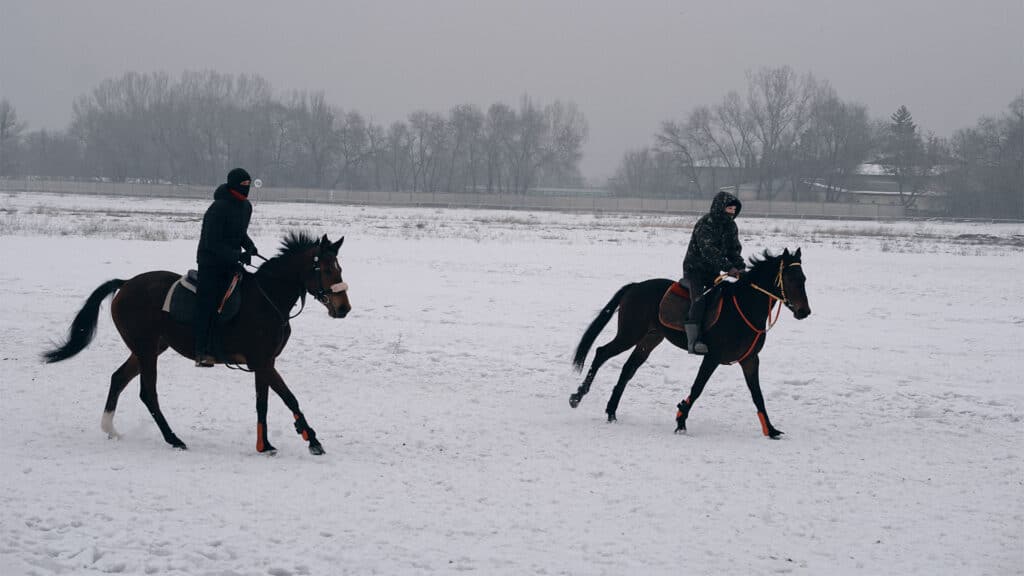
(734, 272)
(246, 258)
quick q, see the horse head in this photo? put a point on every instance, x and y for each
(325, 283)
(791, 281)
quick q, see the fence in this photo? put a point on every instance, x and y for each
(575, 202)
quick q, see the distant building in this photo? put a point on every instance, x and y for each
(869, 185)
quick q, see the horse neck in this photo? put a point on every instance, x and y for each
(283, 285)
(754, 303)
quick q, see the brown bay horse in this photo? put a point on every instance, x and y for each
(737, 334)
(255, 337)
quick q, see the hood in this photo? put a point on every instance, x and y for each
(723, 199)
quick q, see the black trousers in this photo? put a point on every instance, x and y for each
(213, 282)
(697, 286)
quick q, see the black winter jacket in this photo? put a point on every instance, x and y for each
(225, 230)
(715, 243)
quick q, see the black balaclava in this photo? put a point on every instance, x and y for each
(235, 179)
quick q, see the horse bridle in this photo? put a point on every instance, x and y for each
(781, 297)
(322, 293)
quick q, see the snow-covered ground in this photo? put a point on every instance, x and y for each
(442, 402)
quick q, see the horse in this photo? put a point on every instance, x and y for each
(737, 333)
(255, 337)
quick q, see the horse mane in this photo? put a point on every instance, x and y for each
(294, 242)
(758, 263)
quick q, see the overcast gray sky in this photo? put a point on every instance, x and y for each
(628, 65)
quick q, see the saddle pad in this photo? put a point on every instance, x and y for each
(180, 301)
(674, 307)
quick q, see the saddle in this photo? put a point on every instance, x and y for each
(674, 309)
(180, 301)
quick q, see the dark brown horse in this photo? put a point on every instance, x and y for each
(737, 335)
(255, 337)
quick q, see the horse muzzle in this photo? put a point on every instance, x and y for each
(336, 300)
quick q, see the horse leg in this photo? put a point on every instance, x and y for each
(636, 359)
(617, 346)
(263, 444)
(707, 368)
(750, 367)
(147, 368)
(118, 381)
(301, 426)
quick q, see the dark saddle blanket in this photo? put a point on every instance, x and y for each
(674, 309)
(180, 301)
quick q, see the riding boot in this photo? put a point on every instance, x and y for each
(694, 345)
(693, 325)
(204, 359)
(212, 284)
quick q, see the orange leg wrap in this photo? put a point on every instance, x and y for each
(764, 423)
(679, 413)
(305, 435)
(259, 438)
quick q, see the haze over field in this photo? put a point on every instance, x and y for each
(628, 66)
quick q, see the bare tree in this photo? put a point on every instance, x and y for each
(836, 140)
(694, 145)
(10, 132)
(400, 145)
(565, 133)
(353, 148)
(498, 136)
(466, 123)
(778, 108)
(376, 149)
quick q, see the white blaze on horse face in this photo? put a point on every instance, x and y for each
(339, 287)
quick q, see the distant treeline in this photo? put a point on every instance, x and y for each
(193, 129)
(787, 137)
(791, 137)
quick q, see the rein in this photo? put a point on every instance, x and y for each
(772, 299)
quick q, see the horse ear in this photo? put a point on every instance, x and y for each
(338, 244)
(797, 254)
(785, 252)
(324, 242)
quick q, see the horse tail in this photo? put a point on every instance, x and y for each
(596, 326)
(83, 327)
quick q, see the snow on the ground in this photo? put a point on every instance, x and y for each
(442, 402)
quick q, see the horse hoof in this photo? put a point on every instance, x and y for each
(179, 445)
(611, 417)
(316, 450)
(680, 430)
(775, 434)
(574, 400)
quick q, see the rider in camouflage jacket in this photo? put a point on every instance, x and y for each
(714, 247)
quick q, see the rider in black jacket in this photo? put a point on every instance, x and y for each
(221, 244)
(714, 247)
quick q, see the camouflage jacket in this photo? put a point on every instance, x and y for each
(715, 243)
